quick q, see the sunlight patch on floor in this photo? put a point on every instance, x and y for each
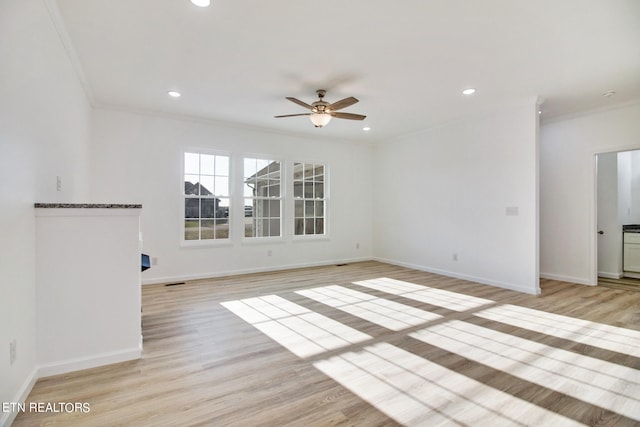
(414, 391)
(302, 331)
(382, 312)
(608, 337)
(438, 297)
(591, 380)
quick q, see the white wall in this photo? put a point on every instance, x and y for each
(137, 158)
(634, 217)
(567, 187)
(628, 186)
(445, 191)
(44, 129)
(88, 289)
(624, 180)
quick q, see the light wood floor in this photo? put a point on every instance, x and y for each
(625, 283)
(366, 344)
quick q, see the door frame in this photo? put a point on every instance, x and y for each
(593, 250)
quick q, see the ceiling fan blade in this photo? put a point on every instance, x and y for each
(301, 103)
(348, 116)
(293, 115)
(343, 103)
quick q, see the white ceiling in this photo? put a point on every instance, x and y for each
(406, 61)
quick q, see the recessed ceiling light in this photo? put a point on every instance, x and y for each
(609, 94)
(539, 112)
(174, 94)
(366, 128)
(469, 91)
(201, 3)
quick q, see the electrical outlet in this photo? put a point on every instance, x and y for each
(512, 211)
(357, 245)
(269, 252)
(58, 183)
(154, 260)
(12, 352)
(455, 257)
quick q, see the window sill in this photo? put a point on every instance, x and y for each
(205, 243)
(311, 238)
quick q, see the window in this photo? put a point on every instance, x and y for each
(262, 198)
(310, 201)
(206, 197)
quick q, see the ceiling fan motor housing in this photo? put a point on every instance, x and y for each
(320, 107)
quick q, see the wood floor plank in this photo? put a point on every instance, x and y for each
(204, 365)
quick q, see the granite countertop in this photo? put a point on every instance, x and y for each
(87, 206)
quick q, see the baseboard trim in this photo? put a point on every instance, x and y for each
(72, 365)
(476, 279)
(608, 275)
(569, 279)
(213, 274)
(7, 418)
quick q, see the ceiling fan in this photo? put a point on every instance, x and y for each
(322, 111)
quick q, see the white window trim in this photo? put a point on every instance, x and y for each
(206, 242)
(327, 205)
(236, 201)
(283, 199)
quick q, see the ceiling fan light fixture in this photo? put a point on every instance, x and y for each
(321, 111)
(201, 3)
(320, 119)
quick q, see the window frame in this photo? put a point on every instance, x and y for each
(325, 199)
(282, 198)
(230, 199)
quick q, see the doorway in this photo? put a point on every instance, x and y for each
(617, 206)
